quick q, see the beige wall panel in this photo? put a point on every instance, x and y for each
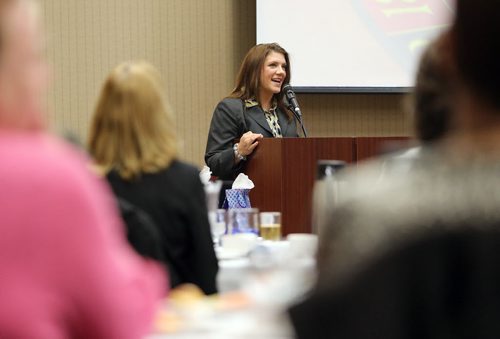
(354, 114)
(197, 45)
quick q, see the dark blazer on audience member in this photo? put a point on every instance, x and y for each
(231, 119)
(445, 284)
(142, 232)
(175, 199)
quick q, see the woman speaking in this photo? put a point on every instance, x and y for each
(254, 110)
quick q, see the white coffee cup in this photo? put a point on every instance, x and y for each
(303, 245)
(241, 242)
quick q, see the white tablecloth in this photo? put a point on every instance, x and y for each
(272, 281)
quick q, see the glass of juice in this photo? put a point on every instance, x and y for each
(270, 226)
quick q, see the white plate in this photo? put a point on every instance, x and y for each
(229, 253)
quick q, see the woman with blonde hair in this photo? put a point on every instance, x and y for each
(132, 140)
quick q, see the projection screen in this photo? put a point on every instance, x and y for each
(352, 45)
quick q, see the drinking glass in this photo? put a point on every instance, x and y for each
(212, 191)
(217, 220)
(243, 220)
(270, 226)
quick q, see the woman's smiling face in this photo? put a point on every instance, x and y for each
(273, 73)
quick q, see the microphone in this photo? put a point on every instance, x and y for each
(292, 100)
(294, 106)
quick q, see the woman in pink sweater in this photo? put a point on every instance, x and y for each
(66, 269)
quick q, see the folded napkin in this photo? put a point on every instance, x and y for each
(205, 175)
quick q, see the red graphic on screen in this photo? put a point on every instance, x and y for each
(399, 16)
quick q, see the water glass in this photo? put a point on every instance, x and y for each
(212, 191)
(217, 220)
(243, 220)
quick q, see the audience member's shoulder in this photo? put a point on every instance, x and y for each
(41, 157)
(390, 172)
(366, 177)
(47, 175)
(184, 169)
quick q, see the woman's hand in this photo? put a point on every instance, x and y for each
(248, 142)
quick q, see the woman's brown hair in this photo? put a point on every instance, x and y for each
(248, 78)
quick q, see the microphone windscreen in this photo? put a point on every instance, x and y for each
(287, 89)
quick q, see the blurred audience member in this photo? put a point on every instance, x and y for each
(455, 188)
(66, 270)
(133, 142)
(442, 285)
(430, 104)
(432, 98)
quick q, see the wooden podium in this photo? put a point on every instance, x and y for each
(284, 171)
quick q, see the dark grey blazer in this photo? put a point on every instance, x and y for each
(229, 122)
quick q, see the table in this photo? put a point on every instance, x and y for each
(270, 281)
